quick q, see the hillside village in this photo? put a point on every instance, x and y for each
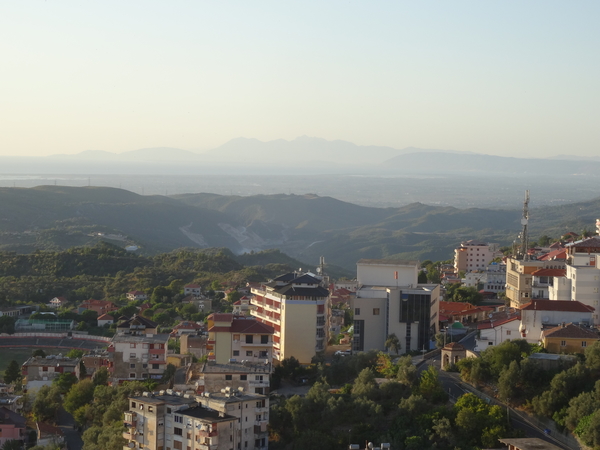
(407, 354)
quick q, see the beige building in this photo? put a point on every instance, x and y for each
(519, 278)
(165, 421)
(388, 301)
(297, 307)
(238, 338)
(474, 255)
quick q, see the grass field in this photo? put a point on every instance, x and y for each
(21, 354)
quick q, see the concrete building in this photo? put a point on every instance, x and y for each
(136, 352)
(164, 421)
(208, 377)
(133, 296)
(502, 326)
(192, 289)
(100, 306)
(238, 338)
(38, 371)
(297, 307)
(390, 301)
(519, 278)
(474, 255)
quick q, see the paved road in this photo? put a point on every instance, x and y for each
(66, 423)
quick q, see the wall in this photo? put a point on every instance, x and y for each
(383, 274)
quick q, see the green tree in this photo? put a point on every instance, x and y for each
(7, 325)
(39, 352)
(392, 343)
(46, 403)
(12, 444)
(430, 386)
(79, 395)
(169, 375)
(365, 384)
(100, 377)
(12, 372)
(64, 382)
(74, 353)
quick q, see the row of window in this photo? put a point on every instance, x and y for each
(261, 354)
(264, 338)
(245, 377)
(376, 311)
(155, 346)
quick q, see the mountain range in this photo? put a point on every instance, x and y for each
(302, 226)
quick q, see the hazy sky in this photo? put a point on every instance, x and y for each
(508, 78)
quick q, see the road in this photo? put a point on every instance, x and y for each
(67, 424)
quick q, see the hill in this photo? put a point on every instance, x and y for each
(301, 226)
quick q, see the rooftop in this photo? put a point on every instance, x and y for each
(530, 444)
(200, 412)
(235, 368)
(389, 262)
(570, 331)
(557, 305)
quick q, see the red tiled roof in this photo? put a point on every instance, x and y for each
(454, 346)
(557, 305)
(187, 325)
(561, 253)
(106, 317)
(137, 293)
(455, 306)
(496, 323)
(550, 273)
(570, 331)
(47, 429)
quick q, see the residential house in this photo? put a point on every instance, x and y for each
(194, 344)
(95, 360)
(501, 326)
(187, 327)
(540, 314)
(389, 300)
(136, 295)
(569, 338)
(57, 302)
(105, 319)
(49, 435)
(519, 278)
(100, 306)
(242, 306)
(10, 311)
(296, 306)
(137, 325)
(192, 289)
(12, 426)
(38, 371)
(240, 338)
(543, 280)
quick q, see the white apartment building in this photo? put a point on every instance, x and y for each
(540, 314)
(390, 301)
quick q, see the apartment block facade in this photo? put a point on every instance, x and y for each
(297, 307)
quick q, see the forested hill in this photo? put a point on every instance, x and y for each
(305, 227)
(107, 271)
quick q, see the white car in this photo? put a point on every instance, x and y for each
(343, 353)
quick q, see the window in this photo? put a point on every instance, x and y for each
(169, 410)
(236, 353)
(264, 339)
(132, 375)
(508, 332)
(144, 366)
(178, 431)
(258, 378)
(178, 419)
(490, 343)
(357, 311)
(584, 343)
(133, 404)
(132, 356)
(258, 417)
(144, 345)
(264, 354)
(132, 366)
(150, 409)
(229, 377)
(563, 343)
(249, 339)
(132, 345)
(248, 352)
(375, 311)
(236, 337)
(177, 445)
(189, 436)
(44, 369)
(260, 404)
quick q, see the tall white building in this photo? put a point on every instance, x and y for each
(388, 301)
(474, 255)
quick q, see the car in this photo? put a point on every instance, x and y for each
(343, 353)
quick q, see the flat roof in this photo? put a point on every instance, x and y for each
(530, 444)
(235, 368)
(200, 412)
(141, 338)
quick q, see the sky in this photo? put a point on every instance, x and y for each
(506, 78)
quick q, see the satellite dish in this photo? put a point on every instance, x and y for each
(490, 315)
(524, 221)
(545, 319)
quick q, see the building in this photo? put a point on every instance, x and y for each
(238, 338)
(12, 426)
(49, 435)
(100, 306)
(136, 295)
(242, 306)
(105, 319)
(187, 327)
(528, 444)
(474, 255)
(38, 371)
(543, 281)
(390, 301)
(194, 344)
(540, 314)
(164, 421)
(10, 311)
(297, 307)
(500, 327)
(57, 302)
(247, 377)
(569, 338)
(490, 279)
(136, 352)
(192, 289)
(519, 278)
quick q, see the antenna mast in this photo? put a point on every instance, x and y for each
(524, 232)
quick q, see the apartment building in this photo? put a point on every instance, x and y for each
(246, 377)
(474, 255)
(12, 427)
(136, 352)
(519, 278)
(238, 338)
(297, 306)
(170, 421)
(569, 338)
(539, 314)
(389, 300)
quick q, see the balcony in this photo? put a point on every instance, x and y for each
(130, 419)
(260, 427)
(205, 434)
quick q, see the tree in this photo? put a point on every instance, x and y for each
(74, 353)
(79, 395)
(65, 381)
(12, 444)
(430, 386)
(100, 377)
(169, 375)
(393, 343)
(39, 352)
(12, 372)
(7, 324)
(46, 403)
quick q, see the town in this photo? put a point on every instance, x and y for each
(499, 346)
